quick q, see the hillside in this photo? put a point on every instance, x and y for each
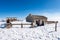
(38, 33)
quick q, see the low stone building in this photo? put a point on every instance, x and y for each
(34, 18)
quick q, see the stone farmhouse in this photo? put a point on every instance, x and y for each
(34, 18)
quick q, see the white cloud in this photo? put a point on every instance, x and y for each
(52, 16)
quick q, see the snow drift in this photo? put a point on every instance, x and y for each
(46, 32)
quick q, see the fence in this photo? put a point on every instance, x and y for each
(9, 25)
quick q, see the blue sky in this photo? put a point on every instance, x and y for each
(21, 8)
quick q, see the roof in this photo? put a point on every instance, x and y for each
(37, 16)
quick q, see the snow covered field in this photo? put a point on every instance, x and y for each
(38, 33)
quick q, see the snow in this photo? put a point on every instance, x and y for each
(2, 24)
(46, 32)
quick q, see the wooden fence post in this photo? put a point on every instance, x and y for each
(56, 25)
(21, 25)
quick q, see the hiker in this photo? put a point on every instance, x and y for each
(38, 23)
(8, 23)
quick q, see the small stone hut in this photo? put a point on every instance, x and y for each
(34, 18)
